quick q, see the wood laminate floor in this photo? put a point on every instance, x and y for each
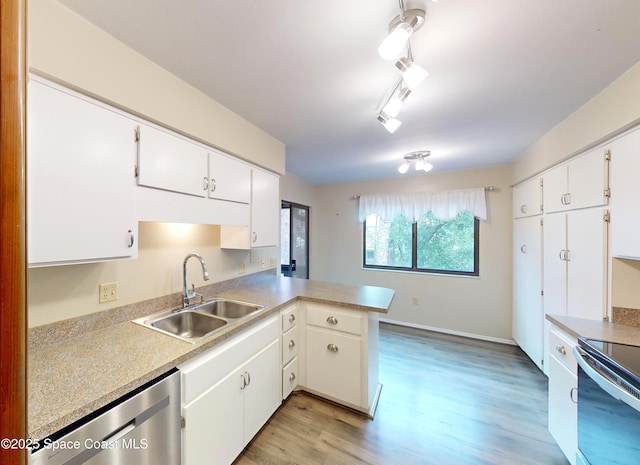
(445, 400)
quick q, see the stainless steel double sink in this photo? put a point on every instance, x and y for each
(192, 324)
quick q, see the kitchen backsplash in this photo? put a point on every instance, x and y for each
(626, 316)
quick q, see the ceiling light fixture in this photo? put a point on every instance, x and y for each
(400, 29)
(390, 124)
(418, 157)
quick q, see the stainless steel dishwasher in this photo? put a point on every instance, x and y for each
(141, 428)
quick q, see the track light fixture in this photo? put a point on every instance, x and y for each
(390, 124)
(417, 157)
(400, 29)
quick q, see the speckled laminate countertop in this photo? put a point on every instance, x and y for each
(76, 367)
(600, 330)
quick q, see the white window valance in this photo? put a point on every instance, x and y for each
(445, 205)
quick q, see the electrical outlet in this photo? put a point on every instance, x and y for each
(107, 292)
(414, 301)
(272, 262)
(251, 257)
(240, 268)
(262, 262)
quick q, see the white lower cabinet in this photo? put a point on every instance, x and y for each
(291, 344)
(563, 396)
(229, 393)
(341, 355)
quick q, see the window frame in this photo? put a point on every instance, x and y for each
(414, 254)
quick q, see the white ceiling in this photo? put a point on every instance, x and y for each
(502, 72)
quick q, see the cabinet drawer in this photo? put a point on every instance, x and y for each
(289, 377)
(289, 317)
(290, 345)
(328, 317)
(561, 347)
(334, 366)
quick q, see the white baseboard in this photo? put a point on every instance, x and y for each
(448, 331)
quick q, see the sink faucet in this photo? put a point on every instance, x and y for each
(188, 294)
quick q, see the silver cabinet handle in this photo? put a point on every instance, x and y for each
(243, 381)
(248, 378)
(523, 209)
(573, 395)
(561, 349)
(523, 248)
(563, 254)
(332, 347)
(292, 344)
(213, 184)
(255, 236)
(292, 318)
(131, 238)
(567, 255)
(205, 184)
(568, 198)
(332, 320)
(292, 377)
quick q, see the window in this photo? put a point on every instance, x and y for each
(429, 245)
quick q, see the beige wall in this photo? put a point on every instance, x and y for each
(625, 288)
(610, 112)
(295, 189)
(60, 292)
(70, 50)
(474, 306)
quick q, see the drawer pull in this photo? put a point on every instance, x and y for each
(292, 344)
(332, 320)
(561, 349)
(292, 318)
(573, 395)
(332, 347)
(292, 377)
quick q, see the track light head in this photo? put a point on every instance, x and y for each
(412, 74)
(400, 29)
(389, 123)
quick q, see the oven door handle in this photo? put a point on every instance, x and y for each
(602, 377)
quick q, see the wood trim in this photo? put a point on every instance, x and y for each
(13, 285)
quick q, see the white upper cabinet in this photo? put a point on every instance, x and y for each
(263, 230)
(80, 176)
(169, 162)
(625, 196)
(579, 183)
(229, 179)
(527, 198)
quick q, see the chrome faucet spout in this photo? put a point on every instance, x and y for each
(188, 294)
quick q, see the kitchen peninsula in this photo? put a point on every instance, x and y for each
(79, 365)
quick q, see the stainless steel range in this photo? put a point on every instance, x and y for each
(608, 403)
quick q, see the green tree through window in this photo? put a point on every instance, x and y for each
(429, 245)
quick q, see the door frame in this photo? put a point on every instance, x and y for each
(13, 285)
(291, 205)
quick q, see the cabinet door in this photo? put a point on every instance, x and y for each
(528, 316)
(334, 365)
(265, 209)
(214, 423)
(527, 198)
(263, 394)
(555, 189)
(625, 198)
(80, 161)
(555, 265)
(166, 161)
(588, 180)
(229, 179)
(563, 413)
(586, 259)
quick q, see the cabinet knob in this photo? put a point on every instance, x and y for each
(292, 318)
(292, 344)
(332, 347)
(561, 349)
(292, 377)
(332, 320)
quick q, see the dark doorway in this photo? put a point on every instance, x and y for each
(294, 240)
